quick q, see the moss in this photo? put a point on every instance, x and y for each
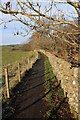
(74, 112)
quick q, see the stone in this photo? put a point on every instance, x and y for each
(74, 82)
(68, 77)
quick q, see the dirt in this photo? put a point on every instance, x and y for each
(30, 95)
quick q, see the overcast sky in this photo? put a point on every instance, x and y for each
(7, 35)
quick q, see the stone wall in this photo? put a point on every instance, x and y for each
(68, 77)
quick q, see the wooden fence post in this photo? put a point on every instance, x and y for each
(19, 72)
(37, 54)
(28, 60)
(7, 82)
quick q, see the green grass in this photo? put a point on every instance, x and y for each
(50, 84)
(10, 54)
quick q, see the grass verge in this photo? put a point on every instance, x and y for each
(58, 107)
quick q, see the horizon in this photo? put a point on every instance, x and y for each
(7, 35)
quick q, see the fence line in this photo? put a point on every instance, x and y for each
(13, 73)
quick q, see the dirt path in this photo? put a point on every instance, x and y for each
(29, 100)
(28, 97)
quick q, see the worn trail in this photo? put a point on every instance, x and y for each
(29, 100)
(28, 97)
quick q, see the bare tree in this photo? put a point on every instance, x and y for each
(31, 15)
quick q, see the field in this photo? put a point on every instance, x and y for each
(15, 62)
(13, 53)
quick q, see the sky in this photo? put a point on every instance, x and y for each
(7, 35)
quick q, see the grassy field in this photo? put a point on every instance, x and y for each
(13, 53)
